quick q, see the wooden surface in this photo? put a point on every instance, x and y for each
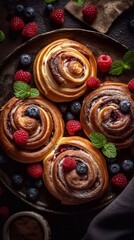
(62, 227)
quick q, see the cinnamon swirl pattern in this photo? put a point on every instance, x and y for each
(88, 178)
(44, 130)
(102, 112)
(62, 68)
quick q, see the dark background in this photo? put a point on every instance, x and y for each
(62, 227)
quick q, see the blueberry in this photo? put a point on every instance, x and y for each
(63, 107)
(19, 9)
(131, 25)
(81, 168)
(48, 9)
(75, 107)
(127, 165)
(25, 60)
(114, 168)
(17, 181)
(32, 194)
(69, 116)
(29, 13)
(39, 183)
(125, 106)
(32, 112)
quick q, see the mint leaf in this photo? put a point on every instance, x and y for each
(128, 59)
(34, 92)
(98, 139)
(117, 67)
(109, 150)
(79, 2)
(48, 1)
(2, 36)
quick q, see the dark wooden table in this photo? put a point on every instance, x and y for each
(62, 227)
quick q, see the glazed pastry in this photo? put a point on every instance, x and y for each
(44, 129)
(102, 111)
(88, 178)
(62, 68)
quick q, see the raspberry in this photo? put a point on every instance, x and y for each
(119, 180)
(69, 164)
(17, 24)
(22, 76)
(30, 30)
(20, 137)
(35, 170)
(72, 126)
(57, 16)
(104, 63)
(93, 82)
(89, 13)
(4, 212)
(131, 85)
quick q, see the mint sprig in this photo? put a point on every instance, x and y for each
(2, 36)
(48, 1)
(100, 141)
(127, 63)
(23, 90)
(79, 2)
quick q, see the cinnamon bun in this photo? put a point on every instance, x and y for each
(43, 130)
(101, 111)
(62, 68)
(88, 178)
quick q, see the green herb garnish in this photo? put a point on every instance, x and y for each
(79, 2)
(2, 36)
(48, 1)
(100, 141)
(127, 63)
(23, 90)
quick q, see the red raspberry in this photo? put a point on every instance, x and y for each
(4, 212)
(30, 30)
(20, 137)
(69, 164)
(131, 85)
(93, 82)
(72, 126)
(17, 24)
(57, 16)
(35, 170)
(89, 13)
(119, 180)
(104, 63)
(22, 76)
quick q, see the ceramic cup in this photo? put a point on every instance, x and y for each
(44, 226)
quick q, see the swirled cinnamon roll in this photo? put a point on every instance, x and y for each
(39, 118)
(62, 68)
(110, 110)
(75, 171)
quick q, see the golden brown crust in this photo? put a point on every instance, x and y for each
(101, 112)
(70, 187)
(62, 68)
(43, 133)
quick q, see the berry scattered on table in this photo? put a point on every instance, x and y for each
(63, 107)
(131, 25)
(39, 183)
(48, 9)
(17, 24)
(32, 112)
(29, 13)
(32, 193)
(19, 8)
(125, 106)
(57, 17)
(131, 85)
(93, 82)
(81, 168)
(127, 165)
(73, 126)
(69, 116)
(20, 137)
(30, 30)
(89, 12)
(75, 107)
(23, 76)
(104, 63)
(4, 213)
(69, 164)
(25, 60)
(17, 181)
(119, 180)
(114, 168)
(35, 170)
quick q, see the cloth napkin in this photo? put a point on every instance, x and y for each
(116, 221)
(108, 11)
